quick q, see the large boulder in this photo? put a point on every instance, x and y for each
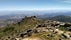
(65, 35)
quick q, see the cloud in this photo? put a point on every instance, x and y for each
(66, 1)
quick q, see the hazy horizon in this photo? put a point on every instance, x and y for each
(6, 12)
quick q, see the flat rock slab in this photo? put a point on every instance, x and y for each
(32, 38)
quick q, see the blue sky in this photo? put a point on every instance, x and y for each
(35, 4)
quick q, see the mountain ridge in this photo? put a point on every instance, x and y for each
(31, 27)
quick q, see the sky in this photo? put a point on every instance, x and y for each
(35, 4)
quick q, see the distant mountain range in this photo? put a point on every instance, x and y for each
(16, 16)
(61, 18)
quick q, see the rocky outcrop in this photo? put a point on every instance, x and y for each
(48, 29)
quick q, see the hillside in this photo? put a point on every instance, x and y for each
(25, 24)
(61, 18)
(33, 28)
